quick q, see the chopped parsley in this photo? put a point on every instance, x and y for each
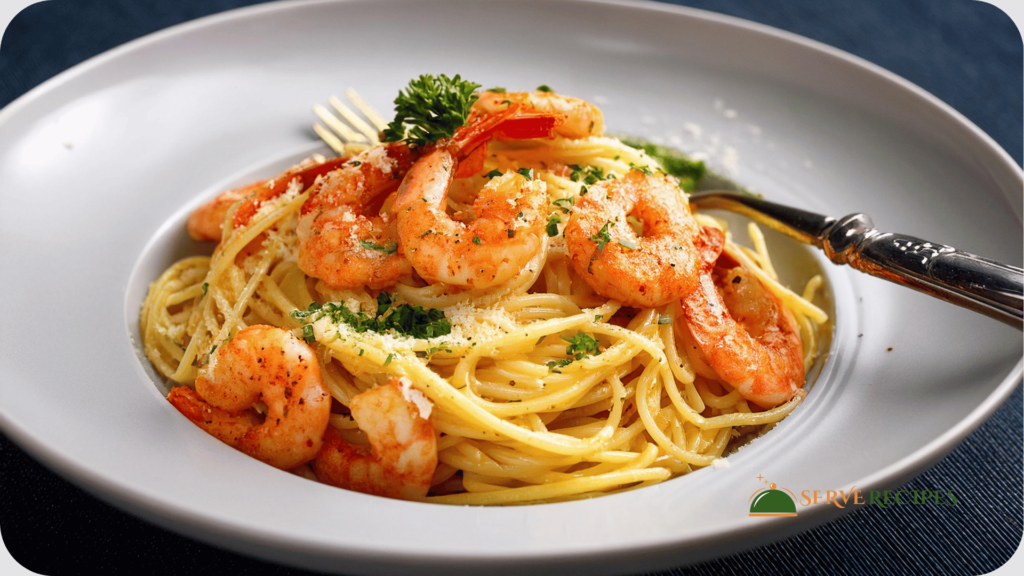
(511, 233)
(355, 163)
(431, 108)
(404, 319)
(391, 248)
(206, 286)
(643, 169)
(494, 173)
(564, 203)
(553, 221)
(590, 175)
(544, 88)
(581, 346)
(602, 237)
(496, 90)
(526, 172)
(477, 240)
(389, 358)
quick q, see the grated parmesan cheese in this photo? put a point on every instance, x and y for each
(379, 159)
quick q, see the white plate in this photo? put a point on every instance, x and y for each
(112, 154)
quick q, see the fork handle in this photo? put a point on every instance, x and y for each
(991, 288)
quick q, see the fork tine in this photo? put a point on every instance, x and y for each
(366, 109)
(330, 139)
(338, 126)
(355, 120)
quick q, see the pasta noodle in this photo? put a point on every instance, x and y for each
(518, 418)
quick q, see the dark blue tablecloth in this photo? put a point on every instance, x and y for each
(967, 53)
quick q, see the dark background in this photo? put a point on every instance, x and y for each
(967, 53)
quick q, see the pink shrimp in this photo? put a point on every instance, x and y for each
(206, 222)
(507, 226)
(640, 271)
(402, 455)
(339, 241)
(744, 332)
(268, 364)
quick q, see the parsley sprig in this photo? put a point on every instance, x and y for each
(405, 320)
(431, 108)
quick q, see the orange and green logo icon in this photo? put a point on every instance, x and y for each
(772, 502)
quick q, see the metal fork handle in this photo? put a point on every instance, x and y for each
(985, 286)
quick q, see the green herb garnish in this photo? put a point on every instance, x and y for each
(674, 162)
(602, 237)
(643, 169)
(404, 319)
(391, 248)
(564, 204)
(494, 173)
(553, 221)
(526, 172)
(544, 88)
(431, 108)
(581, 346)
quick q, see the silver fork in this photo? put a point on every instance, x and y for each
(985, 286)
(350, 133)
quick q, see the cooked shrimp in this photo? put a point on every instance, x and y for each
(206, 222)
(269, 365)
(402, 455)
(505, 233)
(641, 271)
(746, 335)
(582, 119)
(339, 241)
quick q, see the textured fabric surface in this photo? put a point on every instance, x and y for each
(967, 53)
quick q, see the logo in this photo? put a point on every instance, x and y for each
(772, 502)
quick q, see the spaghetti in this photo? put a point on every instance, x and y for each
(542, 389)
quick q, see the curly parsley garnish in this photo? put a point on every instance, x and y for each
(431, 108)
(581, 346)
(405, 320)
